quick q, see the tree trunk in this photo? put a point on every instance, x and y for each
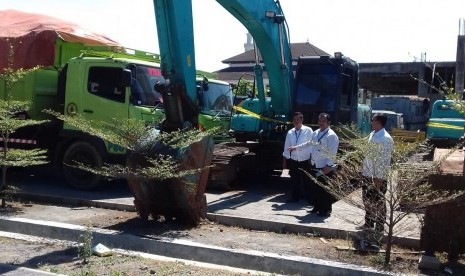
(3, 187)
(387, 257)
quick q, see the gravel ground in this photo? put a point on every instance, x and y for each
(64, 258)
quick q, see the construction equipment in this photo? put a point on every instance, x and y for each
(322, 84)
(443, 222)
(216, 106)
(80, 73)
(105, 83)
(182, 198)
(394, 120)
(414, 109)
(395, 126)
(446, 125)
(364, 116)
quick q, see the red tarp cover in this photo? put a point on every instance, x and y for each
(33, 38)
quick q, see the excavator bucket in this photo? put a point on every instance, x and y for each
(182, 198)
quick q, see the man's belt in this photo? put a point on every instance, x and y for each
(298, 161)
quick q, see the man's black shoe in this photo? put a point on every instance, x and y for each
(324, 214)
(314, 211)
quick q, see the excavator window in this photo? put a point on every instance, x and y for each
(218, 98)
(317, 86)
(346, 91)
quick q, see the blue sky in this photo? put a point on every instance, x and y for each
(365, 30)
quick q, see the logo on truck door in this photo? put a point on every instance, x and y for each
(114, 148)
(71, 109)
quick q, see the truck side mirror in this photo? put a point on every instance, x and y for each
(425, 108)
(205, 85)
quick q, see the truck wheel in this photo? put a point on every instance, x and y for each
(87, 154)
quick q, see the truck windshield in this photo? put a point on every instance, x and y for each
(445, 110)
(217, 99)
(317, 86)
(142, 85)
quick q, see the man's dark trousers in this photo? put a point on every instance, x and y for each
(322, 200)
(297, 177)
(375, 205)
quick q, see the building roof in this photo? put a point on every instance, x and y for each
(246, 74)
(297, 50)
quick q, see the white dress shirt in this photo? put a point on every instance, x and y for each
(325, 144)
(295, 137)
(378, 156)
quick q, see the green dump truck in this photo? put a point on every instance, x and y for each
(99, 89)
(78, 74)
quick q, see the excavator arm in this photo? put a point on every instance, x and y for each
(265, 21)
(176, 41)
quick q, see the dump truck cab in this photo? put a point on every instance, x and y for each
(103, 89)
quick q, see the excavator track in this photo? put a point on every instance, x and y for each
(224, 171)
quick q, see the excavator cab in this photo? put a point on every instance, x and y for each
(327, 84)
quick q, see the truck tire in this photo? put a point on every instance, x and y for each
(87, 154)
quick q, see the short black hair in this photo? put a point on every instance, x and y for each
(326, 115)
(380, 117)
(298, 114)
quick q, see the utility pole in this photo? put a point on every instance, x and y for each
(460, 60)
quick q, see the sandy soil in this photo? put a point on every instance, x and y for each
(62, 258)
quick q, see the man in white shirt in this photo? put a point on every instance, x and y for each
(325, 145)
(376, 165)
(297, 158)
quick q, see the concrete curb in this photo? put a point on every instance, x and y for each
(76, 202)
(282, 227)
(228, 220)
(11, 270)
(246, 259)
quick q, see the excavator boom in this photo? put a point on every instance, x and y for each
(265, 21)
